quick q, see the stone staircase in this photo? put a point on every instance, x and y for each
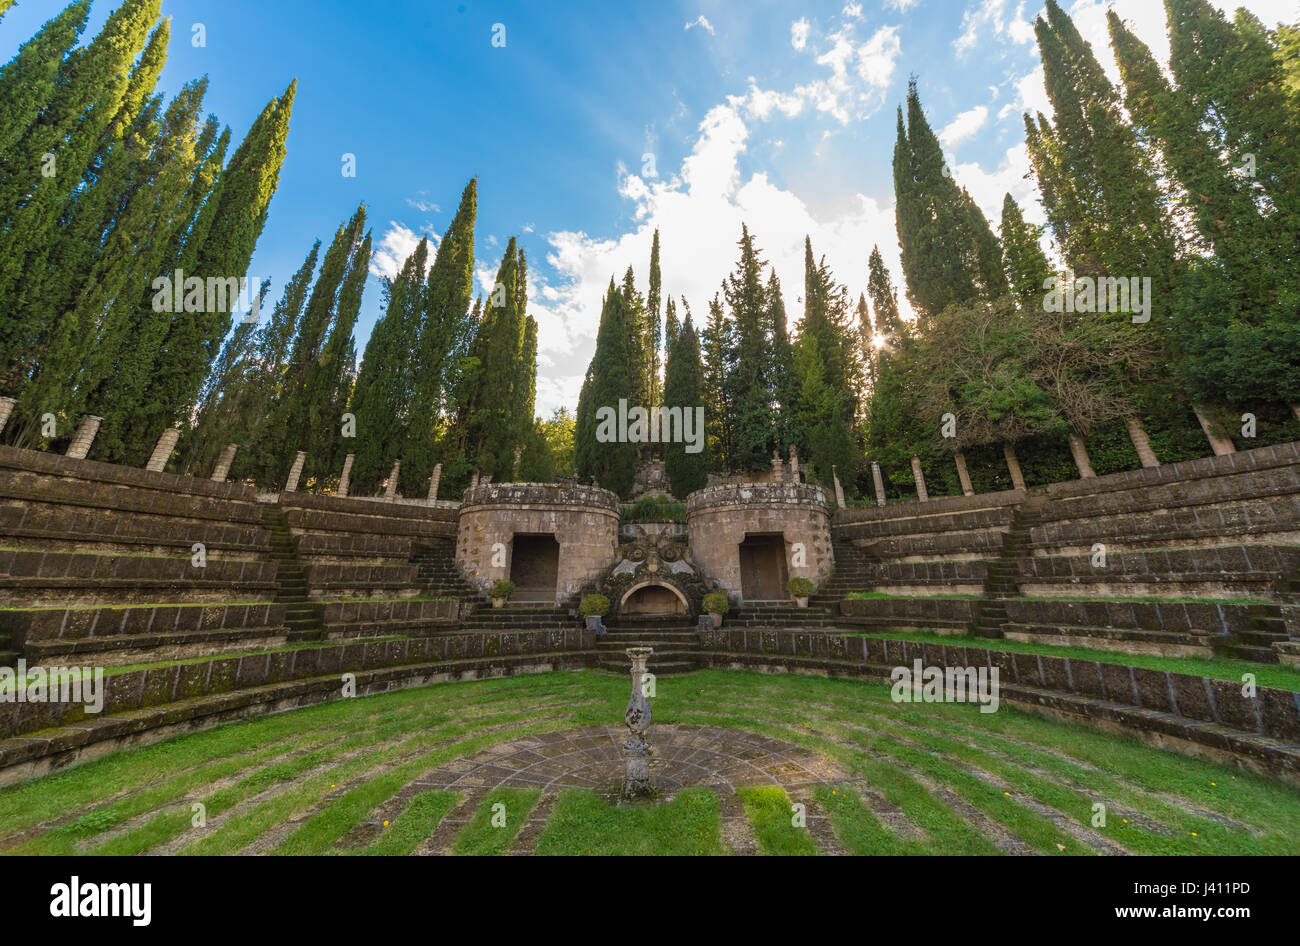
(8, 654)
(784, 614)
(515, 616)
(854, 570)
(1003, 580)
(302, 616)
(674, 639)
(439, 576)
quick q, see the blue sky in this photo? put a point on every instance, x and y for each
(779, 114)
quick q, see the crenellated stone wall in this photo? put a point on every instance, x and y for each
(583, 520)
(719, 518)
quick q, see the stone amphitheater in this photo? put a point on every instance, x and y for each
(1154, 608)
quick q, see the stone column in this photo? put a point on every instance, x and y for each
(434, 480)
(1013, 466)
(224, 462)
(1219, 444)
(1140, 442)
(637, 750)
(794, 463)
(878, 482)
(1079, 451)
(80, 446)
(346, 476)
(1295, 409)
(963, 474)
(473, 483)
(163, 451)
(6, 410)
(839, 490)
(390, 491)
(778, 469)
(514, 470)
(919, 477)
(295, 472)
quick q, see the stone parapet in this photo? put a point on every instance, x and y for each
(539, 494)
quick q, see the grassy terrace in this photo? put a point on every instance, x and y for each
(341, 778)
(1219, 668)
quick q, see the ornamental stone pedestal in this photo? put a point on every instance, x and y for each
(637, 751)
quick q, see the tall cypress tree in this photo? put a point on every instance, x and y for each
(671, 325)
(781, 367)
(1022, 256)
(655, 334)
(444, 333)
(608, 458)
(684, 388)
(719, 357)
(27, 81)
(749, 381)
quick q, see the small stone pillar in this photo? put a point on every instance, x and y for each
(963, 474)
(224, 462)
(390, 491)
(162, 452)
(839, 490)
(434, 480)
(637, 751)
(794, 463)
(1013, 465)
(778, 468)
(514, 470)
(919, 477)
(473, 483)
(346, 476)
(6, 410)
(878, 482)
(80, 446)
(1141, 444)
(1295, 409)
(1079, 451)
(295, 472)
(1221, 445)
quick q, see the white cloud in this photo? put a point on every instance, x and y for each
(397, 243)
(703, 22)
(698, 211)
(424, 206)
(985, 13)
(853, 11)
(902, 6)
(963, 126)
(799, 33)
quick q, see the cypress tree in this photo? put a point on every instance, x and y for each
(655, 334)
(718, 351)
(684, 388)
(781, 368)
(443, 336)
(1022, 255)
(27, 81)
(383, 399)
(749, 380)
(671, 325)
(610, 460)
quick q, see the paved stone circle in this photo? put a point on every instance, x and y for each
(685, 756)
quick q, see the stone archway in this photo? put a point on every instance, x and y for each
(653, 599)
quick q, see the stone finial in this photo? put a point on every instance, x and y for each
(434, 480)
(839, 490)
(390, 491)
(514, 470)
(162, 451)
(878, 481)
(295, 472)
(345, 478)
(778, 468)
(6, 410)
(794, 463)
(473, 482)
(80, 446)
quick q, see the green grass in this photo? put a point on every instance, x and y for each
(584, 823)
(652, 509)
(413, 825)
(300, 782)
(497, 821)
(772, 815)
(1218, 668)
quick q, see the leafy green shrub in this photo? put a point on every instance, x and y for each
(594, 606)
(653, 509)
(800, 587)
(716, 603)
(503, 588)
